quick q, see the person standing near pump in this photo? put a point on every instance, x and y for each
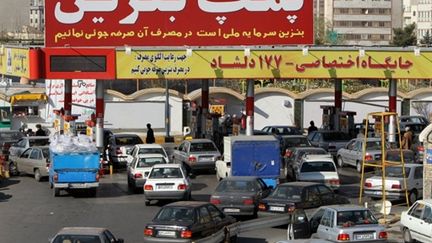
(40, 131)
(150, 134)
(407, 138)
(312, 127)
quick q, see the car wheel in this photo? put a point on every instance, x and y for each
(37, 175)
(56, 192)
(13, 169)
(412, 196)
(340, 161)
(147, 202)
(359, 167)
(407, 236)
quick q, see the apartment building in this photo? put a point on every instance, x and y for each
(37, 16)
(364, 22)
(419, 12)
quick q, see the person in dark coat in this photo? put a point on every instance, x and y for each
(312, 127)
(150, 134)
(40, 131)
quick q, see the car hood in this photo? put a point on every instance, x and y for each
(280, 200)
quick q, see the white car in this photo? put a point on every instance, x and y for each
(318, 168)
(416, 223)
(223, 169)
(139, 169)
(394, 183)
(146, 149)
(167, 181)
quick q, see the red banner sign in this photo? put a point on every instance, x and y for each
(178, 22)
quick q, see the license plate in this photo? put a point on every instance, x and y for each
(206, 159)
(278, 209)
(231, 210)
(78, 185)
(167, 233)
(364, 236)
(164, 187)
(377, 192)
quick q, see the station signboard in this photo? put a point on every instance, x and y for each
(14, 62)
(104, 23)
(271, 64)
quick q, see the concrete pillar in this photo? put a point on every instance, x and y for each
(100, 107)
(167, 111)
(204, 106)
(250, 99)
(67, 106)
(338, 103)
(392, 108)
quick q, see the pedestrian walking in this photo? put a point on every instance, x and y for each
(150, 134)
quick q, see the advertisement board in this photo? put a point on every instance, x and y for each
(14, 62)
(177, 22)
(266, 64)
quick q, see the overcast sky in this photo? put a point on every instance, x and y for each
(14, 13)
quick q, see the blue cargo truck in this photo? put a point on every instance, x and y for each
(74, 170)
(254, 156)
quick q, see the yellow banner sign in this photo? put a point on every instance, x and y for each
(203, 64)
(217, 109)
(14, 62)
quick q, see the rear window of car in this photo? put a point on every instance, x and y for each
(335, 136)
(311, 151)
(355, 217)
(151, 151)
(237, 186)
(296, 142)
(128, 140)
(394, 171)
(77, 238)
(395, 156)
(202, 147)
(39, 142)
(149, 162)
(175, 214)
(287, 192)
(46, 153)
(158, 173)
(317, 166)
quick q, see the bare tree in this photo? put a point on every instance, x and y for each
(422, 108)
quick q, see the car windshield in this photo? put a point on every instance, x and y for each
(335, 136)
(236, 186)
(39, 142)
(287, 192)
(395, 171)
(149, 162)
(151, 151)
(296, 142)
(355, 217)
(10, 135)
(373, 145)
(317, 167)
(202, 147)
(77, 238)
(158, 173)
(175, 214)
(128, 140)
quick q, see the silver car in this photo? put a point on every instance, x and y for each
(352, 153)
(196, 154)
(33, 161)
(85, 234)
(346, 223)
(24, 143)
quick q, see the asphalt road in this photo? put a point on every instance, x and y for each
(29, 211)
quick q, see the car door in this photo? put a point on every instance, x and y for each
(316, 219)
(206, 224)
(34, 160)
(426, 225)
(178, 153)
(415, 221)
(311, 197)
(348, 152)
(22, 161)
(265, 190)
(324, 230)
(417, 179)
(326, 195)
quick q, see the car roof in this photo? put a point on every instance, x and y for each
(308, 148)
(150, 155)
(425, 201)
(300, 183)
(242, 178)
(345, 207)
(192, 204)
(82, 230)
(167, 166)
(145, 145)
(318, 158)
